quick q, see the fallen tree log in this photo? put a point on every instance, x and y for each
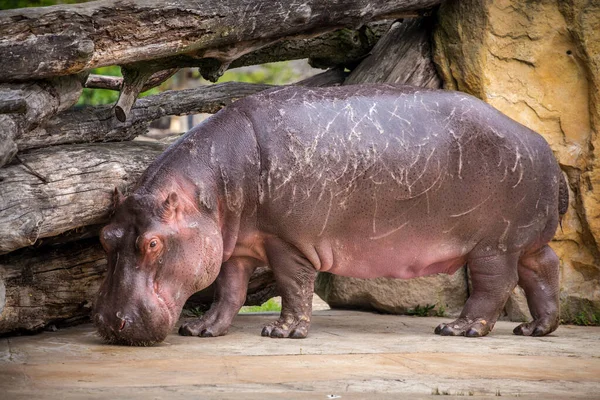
(66, 39)
(81, 179)
(43, 287)
(98, 124)
(28, 104)
(57, 286)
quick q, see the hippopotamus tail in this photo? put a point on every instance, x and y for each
(563, 198)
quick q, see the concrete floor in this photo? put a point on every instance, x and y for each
(348, 355)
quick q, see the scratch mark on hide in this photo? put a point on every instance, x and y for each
(390, 232)
(502, 240)
(374, 212)
(471, 209)
(328, 213)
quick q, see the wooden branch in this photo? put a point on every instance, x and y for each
(98, 124)
(81, 180)
(403, 55)
(66, 39)
(133, 82)
(103, 82)
(116, 83)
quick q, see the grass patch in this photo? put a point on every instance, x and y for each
(269, 306)
(427, 311)
(586, 319)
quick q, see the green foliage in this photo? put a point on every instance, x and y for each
(419, 311)
(587, 319)
(278, 73)
(269, 305)
(10, 4)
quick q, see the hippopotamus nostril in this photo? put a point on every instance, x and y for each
(122, 319)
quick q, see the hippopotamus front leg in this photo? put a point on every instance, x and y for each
(493, 278)
(539, 277)
(230, 294)
(295, 279)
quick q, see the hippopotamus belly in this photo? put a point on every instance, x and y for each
(363, 181)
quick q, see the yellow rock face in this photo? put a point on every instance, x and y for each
(539, 63)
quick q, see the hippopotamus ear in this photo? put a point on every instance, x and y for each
(117, 198)
(170, 206)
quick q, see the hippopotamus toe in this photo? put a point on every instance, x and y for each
(464, 327)
(535, 328)
(297, 329)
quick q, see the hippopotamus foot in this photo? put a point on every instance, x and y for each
(230, 294)
(465, 327)
(492, 279)
(288, 327)
(209, 325)
(539, 277)
(295, 279)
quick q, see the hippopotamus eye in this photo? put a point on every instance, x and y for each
(153, 243)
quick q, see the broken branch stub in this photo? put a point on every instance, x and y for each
(133, 82)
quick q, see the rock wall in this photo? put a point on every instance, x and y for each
(538, 61)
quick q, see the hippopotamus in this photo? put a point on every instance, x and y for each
(364, 181)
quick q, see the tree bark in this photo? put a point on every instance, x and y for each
(403, 55)
(98, 124)
(81, 180)
(45, 286)
(37, 101)
(340, 48)
(66, 39)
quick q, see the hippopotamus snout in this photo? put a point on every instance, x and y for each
(140, 325)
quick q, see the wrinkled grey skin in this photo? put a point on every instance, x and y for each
(362, 181)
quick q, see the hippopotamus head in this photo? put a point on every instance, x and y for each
(161, 248)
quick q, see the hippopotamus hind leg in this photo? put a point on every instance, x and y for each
(295, 279)
(492, 278)
(539, 276)
(230, 293)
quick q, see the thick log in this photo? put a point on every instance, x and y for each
(66, 39)
(81, 180)
(54, 286)
(98, 124)
(340, 48)
(48, 286)
(36, 102)
(403, 55)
